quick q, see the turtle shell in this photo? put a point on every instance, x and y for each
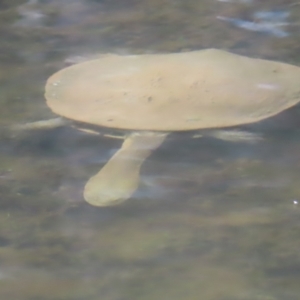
(173, 92)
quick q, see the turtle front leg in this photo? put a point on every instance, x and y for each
(119, 178)
(43, 124)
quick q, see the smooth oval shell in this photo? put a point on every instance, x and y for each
(167, 92)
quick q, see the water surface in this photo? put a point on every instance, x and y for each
(211, 220)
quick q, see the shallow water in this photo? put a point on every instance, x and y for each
(211, 220)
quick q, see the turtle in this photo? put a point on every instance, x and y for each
(149, 96)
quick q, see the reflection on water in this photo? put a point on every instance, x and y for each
(211, 219)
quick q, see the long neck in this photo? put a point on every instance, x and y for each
(119, 178)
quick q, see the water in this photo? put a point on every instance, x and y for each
(211, 220)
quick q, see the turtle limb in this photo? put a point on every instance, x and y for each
(119, 178)
(44, 124)
(232, 135)
(60, 122)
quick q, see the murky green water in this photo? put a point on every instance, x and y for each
(211, 220)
